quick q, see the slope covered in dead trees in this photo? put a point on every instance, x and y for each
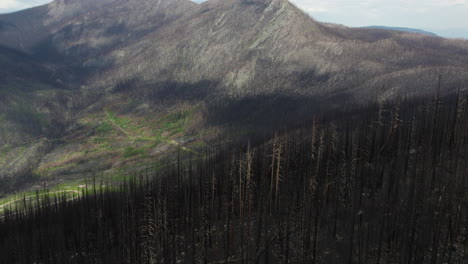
(379, 184)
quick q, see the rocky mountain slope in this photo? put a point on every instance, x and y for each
(113, 84)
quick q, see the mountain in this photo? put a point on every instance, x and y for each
(231, 42)
(404, 29)
(453, 32)
(114, 85)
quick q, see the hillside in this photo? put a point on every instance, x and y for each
(114, 85)
(230, 42)
(365, 186)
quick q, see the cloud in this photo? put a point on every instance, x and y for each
(15, 5)
(450, 3)
(11, 5)
(424, 14)
(317, 9)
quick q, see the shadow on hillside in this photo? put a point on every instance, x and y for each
(267, 111)
(270, 112)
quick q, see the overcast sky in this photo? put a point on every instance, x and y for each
(14, 5)
(444, 17)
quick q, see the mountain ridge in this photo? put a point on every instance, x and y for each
(404, 29)
(85, 47)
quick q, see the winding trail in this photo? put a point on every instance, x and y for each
(110, 118)
(35, 195)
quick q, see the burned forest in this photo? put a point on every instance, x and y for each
(384, 183)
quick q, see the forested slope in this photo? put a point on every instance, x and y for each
(378, 184)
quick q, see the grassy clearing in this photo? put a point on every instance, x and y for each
(173, 123)
(71, 160)
(125, 138)
(104, 128)
(128, 141)
(131, 152)
(122, 124)
(65, 161)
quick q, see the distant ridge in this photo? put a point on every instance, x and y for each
(403, 29)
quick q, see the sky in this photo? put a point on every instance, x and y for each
(448, 18)
(7, 6)
(444, 17)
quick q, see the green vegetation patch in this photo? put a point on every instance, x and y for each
(59, 167)
(131, 152)
(175, 123)
(105, 127)
(122, 122)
